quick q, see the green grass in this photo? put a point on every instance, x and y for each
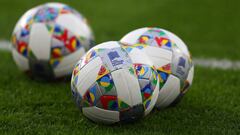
(29, 107)
(209, 27)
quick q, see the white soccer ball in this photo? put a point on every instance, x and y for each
(110, 85)
(49, 39)
(170, 56)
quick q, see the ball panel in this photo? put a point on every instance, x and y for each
(132, 37)
(74, 24)
(64, 40)
(20, 44)
(40, 41)
(185, 87)
(137, 56)
(127, 92)
(21, 61)
(180, 64)
(148, 81)
(178, 41)
(163, 76)
(107, 88)
(92, 96)
(187, 83)
(100, 115)
(25, 19)
(191, 75)
(158, 56)
(143, 71)
(169, 92)
(107, 45)
(102, 72)
(157, 38)
(67, 63)
(55, 5)
(153, 100)
(115, 58)
(88, 75)
(108, 102)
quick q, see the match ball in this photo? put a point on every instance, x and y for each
(110, 85)
(170, 56)
(49, 39)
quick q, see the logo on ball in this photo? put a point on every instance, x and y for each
(115, 58)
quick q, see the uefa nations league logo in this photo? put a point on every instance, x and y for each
(115, 58)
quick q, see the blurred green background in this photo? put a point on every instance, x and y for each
(209, 27)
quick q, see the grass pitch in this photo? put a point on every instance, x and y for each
(210, 28)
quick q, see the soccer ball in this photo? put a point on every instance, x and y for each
(170, 56)
(110, 85)
(49, 39)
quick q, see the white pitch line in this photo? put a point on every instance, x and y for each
(224, 64)
(5, 45)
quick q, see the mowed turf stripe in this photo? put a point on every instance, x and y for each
(224, 64)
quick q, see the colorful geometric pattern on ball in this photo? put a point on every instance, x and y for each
(158, 38)
(155, 37)
(46, 14)
(103, 93)
(89, 56)
(106, 83)
(112, 83)
(109, 102)
(91, 96)
(147, 77)
(63, 43)
(171, 56)
(66, 43)
(129, 48)
(163, 72)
